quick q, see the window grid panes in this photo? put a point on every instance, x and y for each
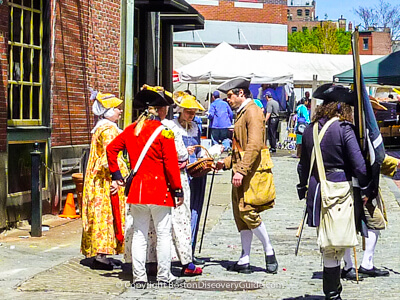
(25, 62)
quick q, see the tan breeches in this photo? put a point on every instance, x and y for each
(247, 217)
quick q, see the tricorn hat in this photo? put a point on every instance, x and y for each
(235, 83)
(335, 93)
(185, 100)
(152, 96)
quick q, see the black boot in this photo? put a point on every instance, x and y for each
(331, 283)
(271, 264)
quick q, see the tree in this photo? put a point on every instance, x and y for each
(325, 38)
(382, 15)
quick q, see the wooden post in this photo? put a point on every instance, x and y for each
(36, 221)
(313, 101)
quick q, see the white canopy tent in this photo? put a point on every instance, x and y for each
(225, 62)
(264, 66)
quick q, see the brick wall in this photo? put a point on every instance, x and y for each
(300, 24)
(4, 11)
(292, 13)
(274, 12)
(381, 43)
(86, 53)
(274, 48)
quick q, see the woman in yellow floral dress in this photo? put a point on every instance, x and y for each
(98, 233)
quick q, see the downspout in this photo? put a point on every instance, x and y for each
(127, 58)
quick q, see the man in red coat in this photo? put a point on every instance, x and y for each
(154, 187)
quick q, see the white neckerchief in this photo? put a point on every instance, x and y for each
(103, 122)
(244, 104)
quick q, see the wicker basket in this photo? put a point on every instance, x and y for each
(202, 166)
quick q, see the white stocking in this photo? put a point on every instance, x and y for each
(330, 262)
(348, 263)
(246, 236)
(262, 234)
(370, 243)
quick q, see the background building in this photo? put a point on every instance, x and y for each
(259, 24)
(375, 41)
(51, 53)
(301, 15)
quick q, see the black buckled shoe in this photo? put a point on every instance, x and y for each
(245, 268)
(271, 264)
(198, 261)
(139, 285)
(350, 274)
(374, 272)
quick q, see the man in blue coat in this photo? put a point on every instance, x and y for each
(220, 116)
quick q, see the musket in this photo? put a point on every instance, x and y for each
(300, 230)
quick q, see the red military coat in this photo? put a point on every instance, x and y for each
(158, 175)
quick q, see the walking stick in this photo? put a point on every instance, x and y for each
(355, 262)
(300, 230)
(208, 205)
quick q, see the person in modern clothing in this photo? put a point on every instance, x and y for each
(188, 129)
(249, 134)
(342, 159)
(156, 186)
(306, 100)
(302, 120)
(272, 119)
(220, 116)
(99, 236)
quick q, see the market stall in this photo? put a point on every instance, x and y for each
(382, 72)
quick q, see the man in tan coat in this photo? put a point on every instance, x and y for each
(248, 136)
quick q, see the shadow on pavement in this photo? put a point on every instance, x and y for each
(391, 270)
(306, 297)
(317, 275)
(227, 263)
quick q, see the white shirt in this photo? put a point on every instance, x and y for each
(245, 102)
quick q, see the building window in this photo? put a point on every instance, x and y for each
(307, 12)
(289, 15)
(294, 29)
(299, 12)
(365, 44)
(304, 29)
(25, 63)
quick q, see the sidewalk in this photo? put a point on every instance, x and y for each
(50, 266)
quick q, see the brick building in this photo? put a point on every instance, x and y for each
(375, 41)
(51, 52)
(259, 24)
(301, 14)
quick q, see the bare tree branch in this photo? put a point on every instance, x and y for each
(382, 15)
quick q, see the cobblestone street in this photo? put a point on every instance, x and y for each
(58, 274)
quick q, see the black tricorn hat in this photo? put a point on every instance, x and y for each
(235, 83)
(152, 96)
(335, 93)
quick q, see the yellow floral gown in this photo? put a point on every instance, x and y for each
(97, 217)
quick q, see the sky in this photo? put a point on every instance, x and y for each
(335, 8)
